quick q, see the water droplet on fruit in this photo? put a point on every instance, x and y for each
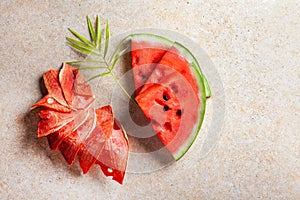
(109, 170)
(158, 73)
(50, 100)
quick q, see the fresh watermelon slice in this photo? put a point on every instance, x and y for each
(174, 98)
(146, 52)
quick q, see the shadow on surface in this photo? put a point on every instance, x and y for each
(40, 146)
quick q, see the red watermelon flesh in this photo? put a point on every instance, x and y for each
(165, 110)
(171, 107)
(145, 55)
(173, 118)
(171, 63)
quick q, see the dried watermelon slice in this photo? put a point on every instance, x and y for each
(73, 126)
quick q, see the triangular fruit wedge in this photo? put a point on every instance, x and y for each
(164, 113)
(146, 52)
(107, 146)
(174, 99)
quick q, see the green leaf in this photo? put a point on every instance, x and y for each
(91, 67)
(91, 30)
(99, 75)
(75, 62)
(106, 74)
(106, 39)
(82, 49)
(98, 33)
(116, 58)
(80, 37)
(81, 44)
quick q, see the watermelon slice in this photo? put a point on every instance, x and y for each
(173, 97)
(146, 52)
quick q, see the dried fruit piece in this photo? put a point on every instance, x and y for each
(73, 126)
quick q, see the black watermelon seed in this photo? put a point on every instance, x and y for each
(165, 97)
(178, 112)
(166, 108)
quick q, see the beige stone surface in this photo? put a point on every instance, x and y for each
(255, 46)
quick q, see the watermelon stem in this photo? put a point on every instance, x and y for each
(93, 47)
(122, 88)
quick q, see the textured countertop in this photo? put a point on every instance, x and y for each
(255, 48)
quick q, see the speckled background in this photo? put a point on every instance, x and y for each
(255, 46)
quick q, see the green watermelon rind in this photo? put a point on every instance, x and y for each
(188, 54)
(184, 52)
(204, 89)
(152, 38)
(207, 87)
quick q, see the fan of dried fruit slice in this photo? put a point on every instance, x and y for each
(75, 127)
